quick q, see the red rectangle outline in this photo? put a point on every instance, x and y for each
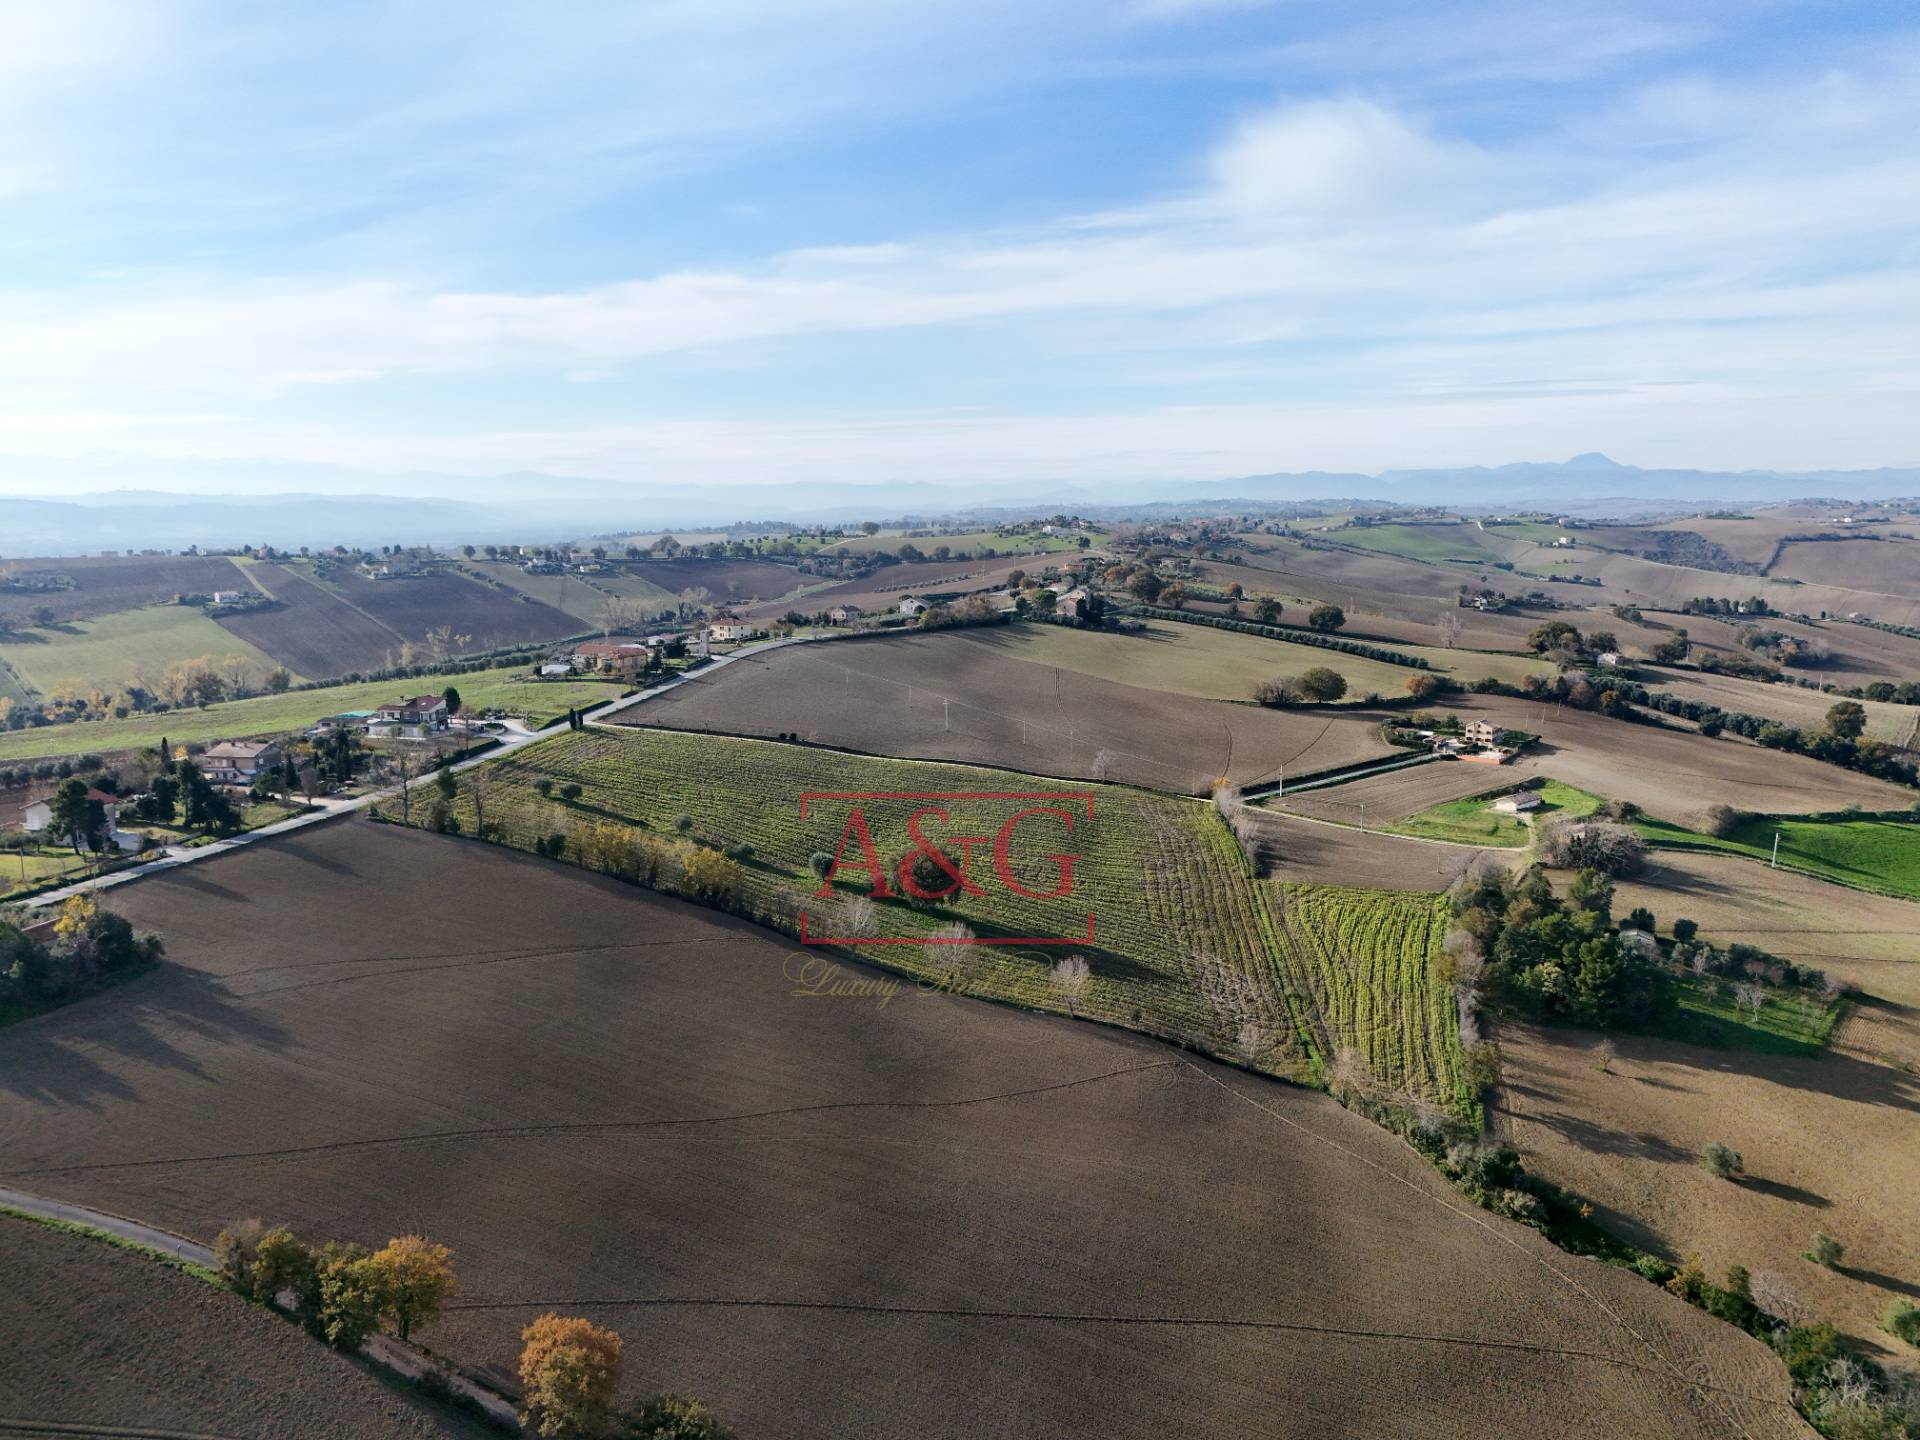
(1084, 795)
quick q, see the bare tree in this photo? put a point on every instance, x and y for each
(406, 767)
(1253, 1043)
(1102, 765)
(1450, 625)
(1604, 1055)
(1070, 978)
(1774, 1294)
(859, 917)
(479, 781)
(1348, 1076)
(1749, 997)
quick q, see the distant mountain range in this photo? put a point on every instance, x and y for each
(118, 503)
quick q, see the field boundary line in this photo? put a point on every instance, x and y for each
(1073, 1317)
(12, 1426)
(1700, 1387)
(589, 1126)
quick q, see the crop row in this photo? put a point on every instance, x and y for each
(1365, 960)
(1186, 943)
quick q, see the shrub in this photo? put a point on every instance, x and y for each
(675, 1417)
(1825, 1250)
(683, 823)
(1685, 930)
(712, 877)
(1326, 618)
(1279, 694)
(1723, 820)
(234, 1251)
(570, 792)
(821, 864)
(1722, 1160)
(1903, 1321)
(282, 1263)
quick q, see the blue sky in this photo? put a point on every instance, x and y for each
(713, 241)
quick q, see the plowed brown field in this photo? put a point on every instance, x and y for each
(948, 697)
(829, 1217)
(99, 1342)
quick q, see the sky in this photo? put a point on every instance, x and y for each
(709, 242)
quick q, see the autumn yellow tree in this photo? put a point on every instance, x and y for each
(76, 915)
(416, 1280)
(570, 1369)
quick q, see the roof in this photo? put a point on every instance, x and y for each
(416, 702)
(237, 750)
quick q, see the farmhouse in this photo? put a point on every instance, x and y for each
(1520, 802)
(1481, 732)
(1608, 658)
(345, 720)
(228, 597)
(844, 614)
(37, 817)
(415, 718)
(610, 656)
(238, 762)
(727, 627)
(912, 606)
(543, 567)
(1071, 605)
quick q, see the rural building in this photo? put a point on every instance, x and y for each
(38, 816)
(912, 606)
(228, 597)
(1481, 732)
(1072, 604)
(1609, 658)
(415, 718)
(1520, 802)
(844, 614)
(345, 720)
(727, 627)
(238, 762)
(543, 567)
(612, 657)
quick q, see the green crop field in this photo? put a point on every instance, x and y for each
(508, 688)
(1363, 960)
(1416, 542)
(1869, 852)
(1471, 822)
(108, 653)
(1184, 946)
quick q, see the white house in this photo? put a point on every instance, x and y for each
(38, 816)
(1609, 658)
(418, 717)
(228, 597)
(845, 614)
(726, 628)
(912, 606)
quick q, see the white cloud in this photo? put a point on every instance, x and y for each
(1336, 156)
